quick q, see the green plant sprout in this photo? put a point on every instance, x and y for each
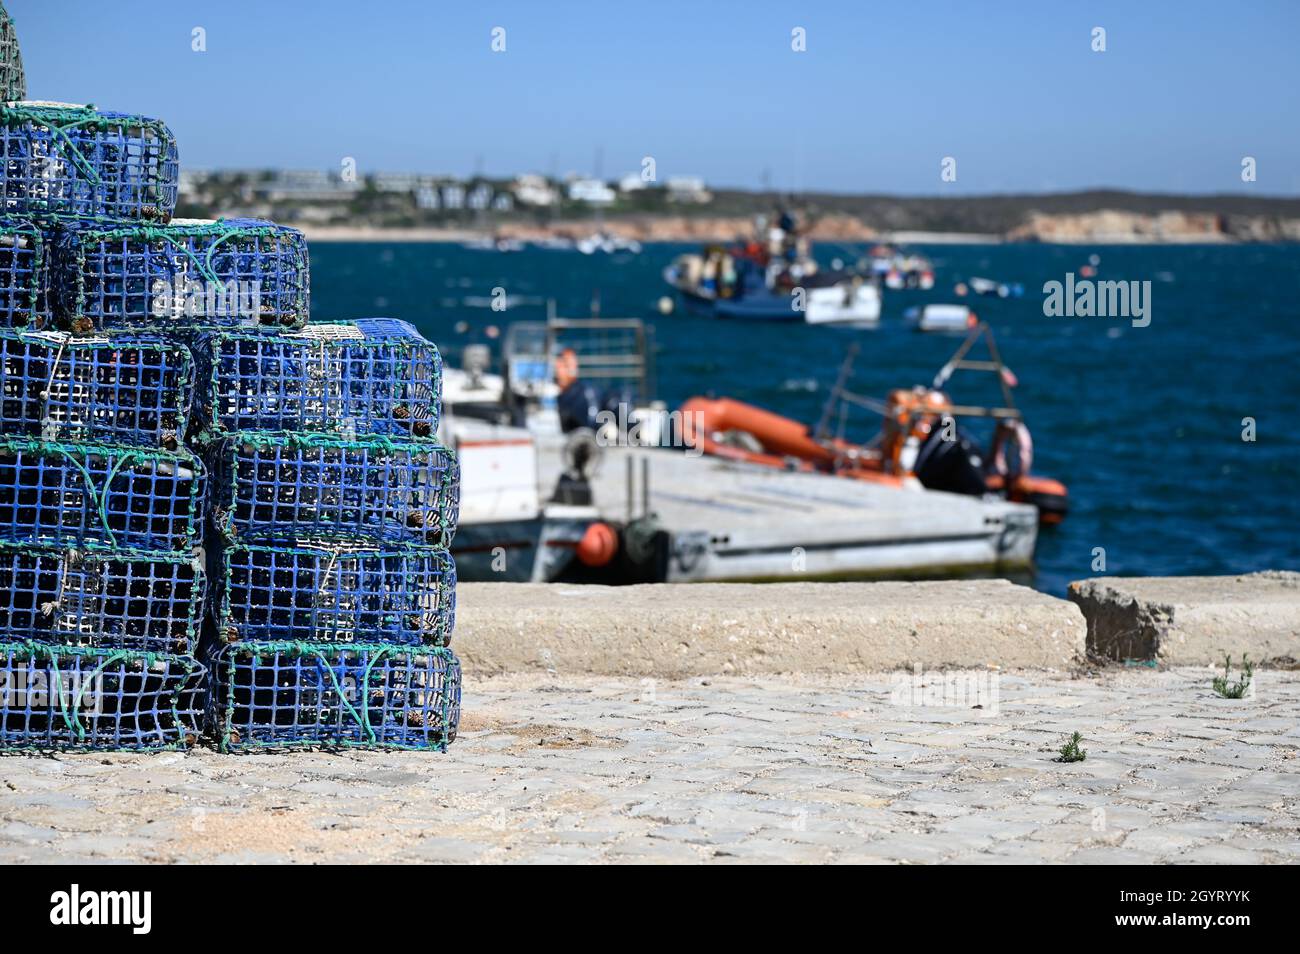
(1238, 689)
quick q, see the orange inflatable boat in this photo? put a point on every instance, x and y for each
(920, 442)
(739, 431)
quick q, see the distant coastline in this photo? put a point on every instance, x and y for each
(662, 233)
(410, 207)
(460, 236)
(1105, 227)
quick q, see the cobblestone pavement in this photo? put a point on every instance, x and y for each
(559, 769)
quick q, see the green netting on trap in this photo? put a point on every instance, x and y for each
(59, 161)
(231, 273)
(107, 599)
(332, 592)
(283, 486)
(77, 699)
(123, 390)
(100, 495)
(286, 695)
(13, 80)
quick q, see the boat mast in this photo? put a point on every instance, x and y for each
(846, 368)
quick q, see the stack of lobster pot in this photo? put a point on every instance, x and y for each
(135, 346)
(101, 506)
(332, 510)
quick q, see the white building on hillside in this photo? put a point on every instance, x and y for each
(632, 182)
(688, 189)
(534, 190)
(591, 191)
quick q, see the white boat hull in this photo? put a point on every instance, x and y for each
(733, 521)
(843, 306)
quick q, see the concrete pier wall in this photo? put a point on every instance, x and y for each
(1193, 620)
(679, 630)
(675, 630)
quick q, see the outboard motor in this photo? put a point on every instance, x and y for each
(956, 466)
(582, 457)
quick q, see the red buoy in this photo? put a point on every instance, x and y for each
(598, 545)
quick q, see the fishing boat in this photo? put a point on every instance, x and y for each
(951, 319)
(493, 243)
(993, 289)
(554, 243)
(899, 271)
(773, 277)
(922, 437)
(573, 472)
(737, 284)
(607, 243)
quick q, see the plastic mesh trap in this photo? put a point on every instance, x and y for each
(121, 599)
(64, 161)
(270, 486)
(124, 390)
(13, 79)
(97, 494)
(288, 695)
(232, 273)
(373, 376)
(60, 697)
(333, 593)
(24, 275)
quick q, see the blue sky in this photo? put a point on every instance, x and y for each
(1012, 89)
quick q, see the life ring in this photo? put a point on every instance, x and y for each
(1011, 431)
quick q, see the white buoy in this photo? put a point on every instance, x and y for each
(666, 305)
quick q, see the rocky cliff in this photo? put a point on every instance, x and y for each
(1115, 226)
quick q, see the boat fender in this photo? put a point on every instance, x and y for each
(639, 539)
(599, 545)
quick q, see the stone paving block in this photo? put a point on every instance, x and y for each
(906, 849)
(1160, 840)
(776, 851)
(1111, 855)
(24, 834)
(444, 850)
(1221, 855)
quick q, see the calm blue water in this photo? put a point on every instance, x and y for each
(1143, 424)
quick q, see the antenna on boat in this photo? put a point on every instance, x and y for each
(846, 368)
(959, 361)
